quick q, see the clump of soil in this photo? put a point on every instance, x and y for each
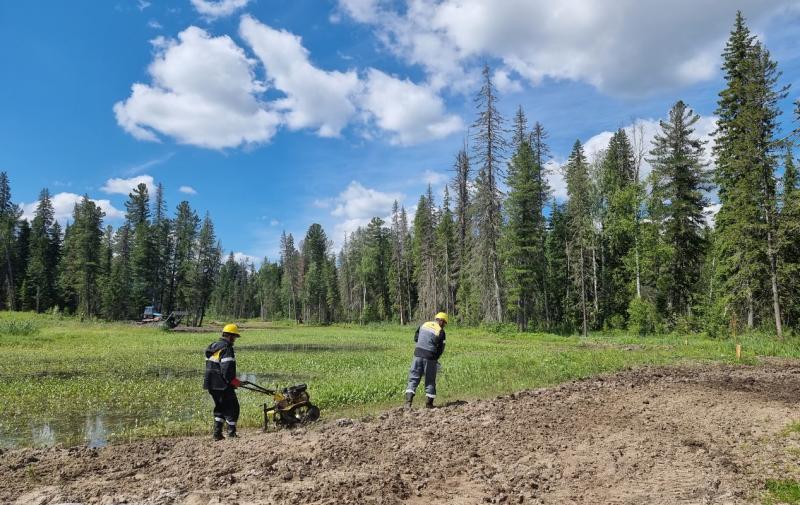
(710, 434)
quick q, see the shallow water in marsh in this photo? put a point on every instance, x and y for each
(95, 429)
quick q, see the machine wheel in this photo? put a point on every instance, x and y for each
(305, 413)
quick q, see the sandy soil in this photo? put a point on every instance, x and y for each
(710, 434)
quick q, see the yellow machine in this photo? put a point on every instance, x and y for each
(291, 405)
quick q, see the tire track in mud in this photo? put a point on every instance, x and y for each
(689, 434)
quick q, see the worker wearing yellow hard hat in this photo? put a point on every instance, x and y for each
(221, 382)
(430, 340)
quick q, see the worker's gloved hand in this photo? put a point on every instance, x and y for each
(235, 382)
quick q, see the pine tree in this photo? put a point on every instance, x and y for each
(678, 184)
(580, 231)
(489, 147)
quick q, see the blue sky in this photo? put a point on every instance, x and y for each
(274, 114)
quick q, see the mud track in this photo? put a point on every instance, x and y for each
(710, 434)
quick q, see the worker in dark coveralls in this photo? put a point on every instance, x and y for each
(221, 382)
(430, 346)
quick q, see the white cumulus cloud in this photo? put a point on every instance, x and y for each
(218, 8)
(357, 205)
(64, 204)
(187, 190)
(203, 93)
(411, 113)
(117, 186)
(630, 47)
(315, 98)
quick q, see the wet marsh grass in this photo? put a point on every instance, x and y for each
(141, 381)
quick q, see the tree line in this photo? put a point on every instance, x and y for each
(623, 250)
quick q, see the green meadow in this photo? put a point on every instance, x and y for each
(72, 382)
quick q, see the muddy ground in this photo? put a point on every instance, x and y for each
(710, 434)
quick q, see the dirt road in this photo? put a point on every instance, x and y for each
(693, 434)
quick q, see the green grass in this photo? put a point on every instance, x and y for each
(782, 491)
(792, 428)
(143, 382)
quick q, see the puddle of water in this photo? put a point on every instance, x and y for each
(96, 430)
(92, 431)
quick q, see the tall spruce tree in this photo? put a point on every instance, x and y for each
(41, 275)
(206, 270)
(117, 294)
(290, 263)
(579, 239)
(144, 253)
(463, 226)
(9, 215)
(489, 147)
(789, 241)
(163, 243)
(399, 280)
(315, 258)
(524, 233)
(746, 253)
(541, 156)
(183, 253)
(679, 183)
(617, 209)
(425, 256)
(81, 270)
(446, 247)
(559, 279)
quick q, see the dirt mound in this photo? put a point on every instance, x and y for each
(666, 435)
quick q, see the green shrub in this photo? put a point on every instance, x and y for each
(18, 328)
(643, 318)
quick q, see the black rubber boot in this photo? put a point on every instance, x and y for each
(428, 402)
(232, 431)
(409, 399)
(218, 430)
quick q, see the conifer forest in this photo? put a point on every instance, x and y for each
(707, 241)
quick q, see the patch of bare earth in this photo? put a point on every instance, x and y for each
(710, 434)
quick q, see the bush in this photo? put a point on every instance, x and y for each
(643, 318)
(18, 328)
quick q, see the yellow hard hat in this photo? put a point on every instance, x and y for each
(232, 329)
(442, 316)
